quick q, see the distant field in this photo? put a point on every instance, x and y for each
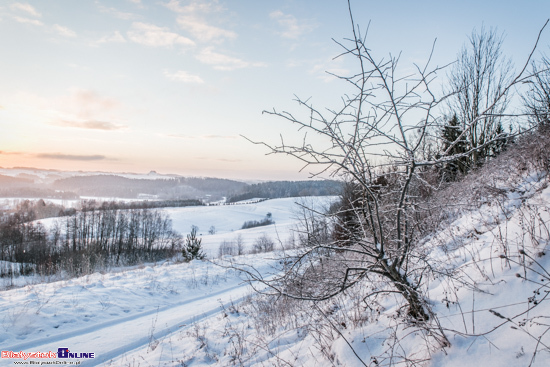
(228, 220)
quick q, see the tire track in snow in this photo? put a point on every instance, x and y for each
(142, 342)
(195, 311)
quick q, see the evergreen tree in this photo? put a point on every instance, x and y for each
(499, 145)
(450, 133)
(193, 246)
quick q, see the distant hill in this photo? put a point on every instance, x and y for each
(8, 181)
(37, 183)
(285, 189)
(170, 188)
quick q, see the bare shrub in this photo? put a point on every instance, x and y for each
(227, 248)
(263, 244)
(239, 242)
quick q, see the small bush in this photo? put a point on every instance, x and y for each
(254, 223)
(227, 248)
(232, 248)
(263, 244)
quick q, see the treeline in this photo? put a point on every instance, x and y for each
(35, 192)
(171, 188)
(88, 205)
(26, 187)
(175, 189)
(88, 241)
(285, 189)
(30, 210)
(268, 219)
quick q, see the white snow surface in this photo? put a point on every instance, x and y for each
(112, 314)
(178, 314)
(229, 219)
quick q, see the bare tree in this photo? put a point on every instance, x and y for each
(478, 92)
(374, 140)
(537, 98)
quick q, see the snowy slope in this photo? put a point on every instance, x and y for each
(490, 301)
(110, 314)
(228, 220)
(489, 296)
(113, 313)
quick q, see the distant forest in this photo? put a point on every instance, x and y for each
(174, 188)
(285, 189)
(166, 189)
(26, 188)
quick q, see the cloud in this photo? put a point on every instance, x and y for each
(223, 62)
(192, 19)
(115, 12)
(91, 124)
(328, 74)
(180, 136)
(71, 157)
(184, 76)
(174, 5)
(60, 156)
(85, 109)
(195, 7)
(29, 9)
(64, 31)
(152, 35)
(203, 31)
(220, 137)
(291, 27)
(114, 38)
(88, 101)
(28, 21)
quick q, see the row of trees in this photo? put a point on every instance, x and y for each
(89, 240)
(268, 219)
(166, 188)
(285, 189)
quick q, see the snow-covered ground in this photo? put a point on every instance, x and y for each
(111, 314)
(227, 220)
(489, 294)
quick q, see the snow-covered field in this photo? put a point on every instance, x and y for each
(111, 314)
(490, 299)
(228, 220)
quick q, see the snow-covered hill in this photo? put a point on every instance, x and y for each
(487, 290)
(111, 314)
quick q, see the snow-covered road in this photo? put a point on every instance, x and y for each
(111, 339)
(113, 314)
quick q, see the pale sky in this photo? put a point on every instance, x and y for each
(170, 86)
